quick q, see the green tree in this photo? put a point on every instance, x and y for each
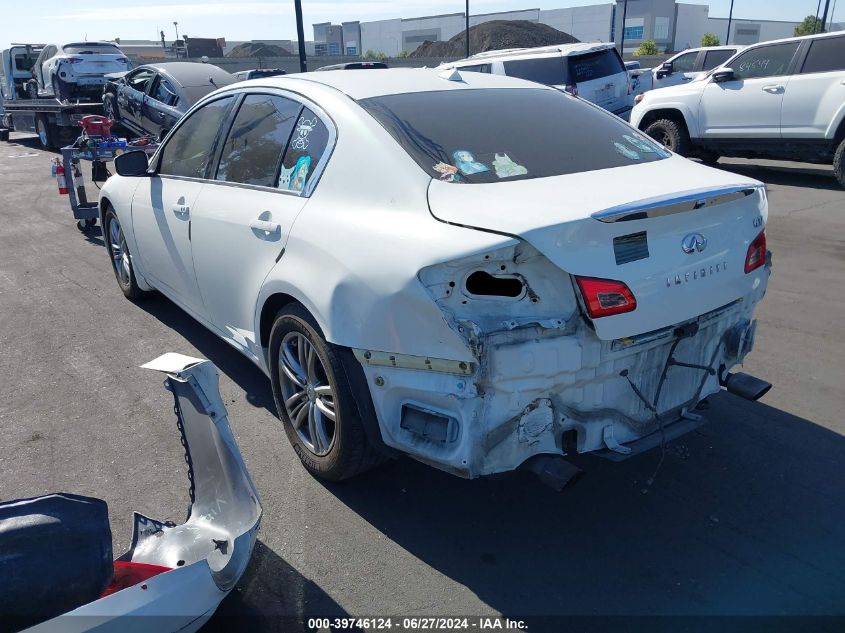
(404, 54)
(810, 25)
(370, 54)
(709, 39)
(648, 47)
(381, 56)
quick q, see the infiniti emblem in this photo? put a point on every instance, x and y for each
(694, 242)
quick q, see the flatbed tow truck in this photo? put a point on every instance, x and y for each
(55, 122)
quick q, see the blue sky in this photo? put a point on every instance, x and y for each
(54, 20)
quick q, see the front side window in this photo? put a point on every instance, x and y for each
(764, 61)
(164, 93)
(490, 135)
(138, 79)
(190, 147)
(826, 55)
(308, 143)
(596, 65)
(550, 71)
(253, 150)
(712, 59)
(684, 63)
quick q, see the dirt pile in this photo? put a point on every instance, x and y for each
(258, 49)
(495, 35)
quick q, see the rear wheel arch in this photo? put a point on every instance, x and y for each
(673, 114)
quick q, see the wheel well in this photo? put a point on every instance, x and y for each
(656, 115)
(269, 310)
(840, 133)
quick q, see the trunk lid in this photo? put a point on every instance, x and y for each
(587, 225)
(99, 64)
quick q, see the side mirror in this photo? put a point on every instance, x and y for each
(665, 69)
(132, 164)
(723, 74)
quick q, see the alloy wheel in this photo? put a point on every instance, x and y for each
(119, 253)
(41, 126)
(310, 401)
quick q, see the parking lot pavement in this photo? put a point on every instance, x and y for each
(745, 516)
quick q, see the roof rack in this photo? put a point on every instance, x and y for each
(501, 51)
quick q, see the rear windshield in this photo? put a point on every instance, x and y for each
(550, 71)
(594, 65)
(91, 49)
(483, 136)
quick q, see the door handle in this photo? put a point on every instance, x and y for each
(182, 210)
(265, 225)
(773, 88)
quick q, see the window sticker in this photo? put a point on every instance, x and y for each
(626, 151)
(448, 173)
(467, 164)
(300, 174)
(506, 168)
(641, 145)
(303, 129)
(284, 177)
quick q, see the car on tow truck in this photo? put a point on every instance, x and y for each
(76, 69)
(477, 271)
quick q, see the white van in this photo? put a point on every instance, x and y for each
(592, 71)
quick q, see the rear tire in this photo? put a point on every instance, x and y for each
(121, 259)
(671, 134)
(4, 135)
(839, 163)
(709, 158)
(329, 449)
(59, 89)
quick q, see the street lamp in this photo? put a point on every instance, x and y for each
(466, 26)
(730, 18)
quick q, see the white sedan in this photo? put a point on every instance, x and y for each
(448, 266)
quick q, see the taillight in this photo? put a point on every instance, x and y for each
(571, 89)
(75, 60)
(127, 574)
(605, 297)
(756, 256)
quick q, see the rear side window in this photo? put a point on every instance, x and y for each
(550, 71)
(307, 145)
(826, 55)
(484, 136)
(253, 150)
(595, 65)
(477, 68)
(189, 148)
(712, 59)
(765, 61)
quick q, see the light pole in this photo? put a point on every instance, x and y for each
(730, 19)
(816, 23)
(176, 43)
(466, 26)
(622, 42)
(300, 34)
(824, 15)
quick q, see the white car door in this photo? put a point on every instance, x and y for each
(163, 204)
(749, 105)
(815, 96)
(683, 70)
(267, 168)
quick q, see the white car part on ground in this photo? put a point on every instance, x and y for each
(208, 553)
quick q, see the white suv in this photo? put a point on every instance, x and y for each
(783, 100)
(592, 71)
(76, 69)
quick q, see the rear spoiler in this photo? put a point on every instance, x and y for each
(675, 203)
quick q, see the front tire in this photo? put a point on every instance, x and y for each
(839, 163)
(321, 415)
(671, 134)
(121, 260)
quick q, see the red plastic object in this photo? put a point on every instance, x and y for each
(96, 125)
(60, 179)
(127, 574)
(605, 297)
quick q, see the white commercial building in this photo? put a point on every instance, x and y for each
(672, 25)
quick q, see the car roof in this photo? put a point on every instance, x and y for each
(798, 39)
(191, 74)
(564, 50)
(394, 81)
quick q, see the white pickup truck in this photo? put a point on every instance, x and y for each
(783, 99)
